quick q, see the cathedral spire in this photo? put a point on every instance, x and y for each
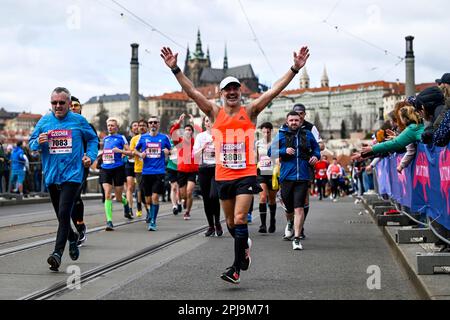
(325, 81)
(198, 48)
(304, 79)
(225, 59)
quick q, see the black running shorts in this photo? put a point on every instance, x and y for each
(230, 189)
(172, 175)
(294, 194)
(184, 177)
(129, 170)
(153, 183)
(266, 180)
(114, 176)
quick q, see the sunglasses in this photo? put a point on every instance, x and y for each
(153, 122)
(61, 103)
(76, 105)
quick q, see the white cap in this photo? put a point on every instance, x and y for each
(227, 81)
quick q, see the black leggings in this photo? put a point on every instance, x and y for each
(334, 187)
(210, 195)
(78, 209)
(321, 184)
(63, 200)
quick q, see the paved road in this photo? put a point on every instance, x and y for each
(340, 247)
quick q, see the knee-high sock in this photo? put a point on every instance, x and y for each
(263, 213)
(273, 211)
(124, 200)
(232, 231)
(240, 244)
(154, 209)
(108, 210)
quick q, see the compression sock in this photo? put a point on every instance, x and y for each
(240, 244)
(108, 210)
(232, 231)
(263, 213)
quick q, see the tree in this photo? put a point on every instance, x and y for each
(344, 133)
(102, 116)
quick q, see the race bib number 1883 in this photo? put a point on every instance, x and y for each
(60, 141)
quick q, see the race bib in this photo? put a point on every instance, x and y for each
(321, 172)
(209, 153)
(265, 163)
(108, 156)
(334, 176)
(153, 150)
(233, 155)
(60, 141)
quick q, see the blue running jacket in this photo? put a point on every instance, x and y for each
(63, 153)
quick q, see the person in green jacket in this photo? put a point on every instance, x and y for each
(411, 134)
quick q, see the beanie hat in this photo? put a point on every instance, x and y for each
(430, 99)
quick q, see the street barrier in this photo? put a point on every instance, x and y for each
(424, 186)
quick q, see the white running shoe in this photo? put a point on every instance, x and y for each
(289, 230)
(296, 245)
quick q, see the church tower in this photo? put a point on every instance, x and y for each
(196, 61)
(225, 59)
(304, 79)
(325, 82)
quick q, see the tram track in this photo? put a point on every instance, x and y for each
(62, 287)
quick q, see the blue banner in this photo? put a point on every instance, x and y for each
(424, 186)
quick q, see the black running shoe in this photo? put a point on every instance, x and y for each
(210, 232)
(54, 261)
(82, 232)
(179, 208)
(231, 276)
(272, 226)
(219, 231)
(175, 211)
(109, 226)
(126, 212)
(74, 252)
(262, 229)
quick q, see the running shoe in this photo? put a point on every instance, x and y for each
(54, 261)
(248, 260)
(262, 229)
(289, 231)
(219, 231)
(175, 211)
(231, 275)
(139, 214)
(179, 208)
(74, 252)
(152, 226)
(187, 216)
(296, 245)
(210, 232)
(109, 226)
(126, 212)
(82, 234)
(272, 226)
(249, 218)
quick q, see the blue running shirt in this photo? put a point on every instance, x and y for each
(154, 162)
(110, 159)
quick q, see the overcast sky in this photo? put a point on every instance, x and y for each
(84, 45)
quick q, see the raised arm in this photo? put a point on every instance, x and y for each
(209, 108)
(259, 104)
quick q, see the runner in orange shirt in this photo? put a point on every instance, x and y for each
(234, 135)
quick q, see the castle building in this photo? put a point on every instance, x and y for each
(198, 69)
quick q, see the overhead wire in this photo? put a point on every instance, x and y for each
(256, 38)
